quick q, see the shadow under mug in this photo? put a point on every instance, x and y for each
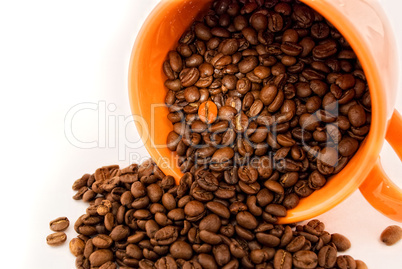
(365, 27)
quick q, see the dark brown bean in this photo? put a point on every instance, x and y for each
(99, 257)
(305, 259)
(340, 241)
(59, 224)
(56, 239)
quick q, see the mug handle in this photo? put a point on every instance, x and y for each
(378, 189)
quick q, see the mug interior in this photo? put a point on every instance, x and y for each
(160, 34)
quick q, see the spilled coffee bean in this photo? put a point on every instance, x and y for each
(56, 239)
(59, 224)
(391, 235)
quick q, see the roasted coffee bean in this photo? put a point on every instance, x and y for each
(119, 232)
(166, 235)
(168, 201)
(175, 61)
(357, 115)
(246, 220)
(291, 201)
(296, 244)
(327, 257)
(340, 241)
(99, 257)
(305, 259)
(326, 49)
(59, 224)
(345, 262)
(102, 241)
(181, 250)
(56, 239)
(211, 223)
(222, 155)
(221, 254)
(81, 182)
(282, 260)
(219, 209)
(108, 265)
(274, 186)
(276, 210)
(209, 237)
(391, 235)
(268, 239)
(77, 246)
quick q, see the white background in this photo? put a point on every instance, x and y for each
(55, 55)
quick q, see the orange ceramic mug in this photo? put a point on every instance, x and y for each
(363, 24)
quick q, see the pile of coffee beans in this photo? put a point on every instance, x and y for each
(139, 218)
(269, 97)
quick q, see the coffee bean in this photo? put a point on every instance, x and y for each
(268, 239)
(175, 61)
(119, 232)
(246, 220)
(210, 238)
(357, 115)
(222, 155)
(274, 186)
(221, 254)
(181, 250)
(77, 247)
(59, 224)
(236, 249)
(108, 265)
(276, 210)
(81, 182)
(189, 76)
(291, 49)
(282, 260)
(248, 64)
(219, 209)
(99, 257)
(345, 262)
(296, 244)
(202, 31)
(305, 259)
(229, 46)
(291, 201)
(134, 251)
(166, 235)
(56, 239)
(326, 49)
(340, 241)
(391, 235)
(327, 257)
(211, 223)
(102, 241)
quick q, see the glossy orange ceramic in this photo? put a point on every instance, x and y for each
(363, 24)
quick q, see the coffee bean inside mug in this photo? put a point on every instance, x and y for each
(268, 97)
